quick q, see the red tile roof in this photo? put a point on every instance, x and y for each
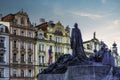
(43, 26)
(8, 18)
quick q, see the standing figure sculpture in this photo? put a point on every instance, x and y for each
(77, 43)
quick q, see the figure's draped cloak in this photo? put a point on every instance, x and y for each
(77, 43)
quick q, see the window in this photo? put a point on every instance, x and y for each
(14, 73)
(14, 57)
(29, 59)
(1, 30)
(1, 42)
(59, 32)
(1, 72)
(59, 39)
(41, 60)
(50, 37)
(22, 33)
(22, 57)
(22, 44)
(22, 20)
(29, 73)
(59, 49)
(14, 32)
(22, 73)
(29, 34)
(29, 45)
(14, 44)
(89, 46)
(1, 57)
(40, 36)
(41, 47)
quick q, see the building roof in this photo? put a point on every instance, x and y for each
(92, 40)
(8, 18)
(44, 26)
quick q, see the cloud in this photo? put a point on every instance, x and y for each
(116, 22)
(89, 15)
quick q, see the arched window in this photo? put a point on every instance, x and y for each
(22, 20)
(50, 37)
(22, 73)
(1, 29)
(40, 36)
(1, 57)
(29, 73)
(14, 57)
(59, 32)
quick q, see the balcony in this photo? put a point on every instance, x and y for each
(58, 53)
(30, 51)
(29, 62)
(22, 61)
(22, 50)
(15, 61)
(43, 64)
(15, 50)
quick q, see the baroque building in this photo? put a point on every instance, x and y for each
(4, 51)
(22, 46)
(52, 40)
(91, 45)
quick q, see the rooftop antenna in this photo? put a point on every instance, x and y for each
(94, 35)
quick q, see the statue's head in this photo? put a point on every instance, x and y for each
(76, 25)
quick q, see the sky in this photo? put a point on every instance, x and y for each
(100, 16)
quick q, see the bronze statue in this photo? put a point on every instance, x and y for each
(77, 43)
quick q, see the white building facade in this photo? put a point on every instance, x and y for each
(4, 51)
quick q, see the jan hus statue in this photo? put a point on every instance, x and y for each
(77, 43)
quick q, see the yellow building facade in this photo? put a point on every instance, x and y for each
(52, 37)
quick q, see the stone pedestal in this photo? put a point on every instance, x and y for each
(81, 73)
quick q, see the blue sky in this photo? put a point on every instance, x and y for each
(102, 16)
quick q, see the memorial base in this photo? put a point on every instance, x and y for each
(82, 73)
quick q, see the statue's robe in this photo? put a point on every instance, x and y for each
(77, 43)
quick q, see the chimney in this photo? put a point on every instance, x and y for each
(50, 23)
(42, 20)
(0, 17)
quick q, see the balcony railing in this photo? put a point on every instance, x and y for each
(15, 61)
(43, 64)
